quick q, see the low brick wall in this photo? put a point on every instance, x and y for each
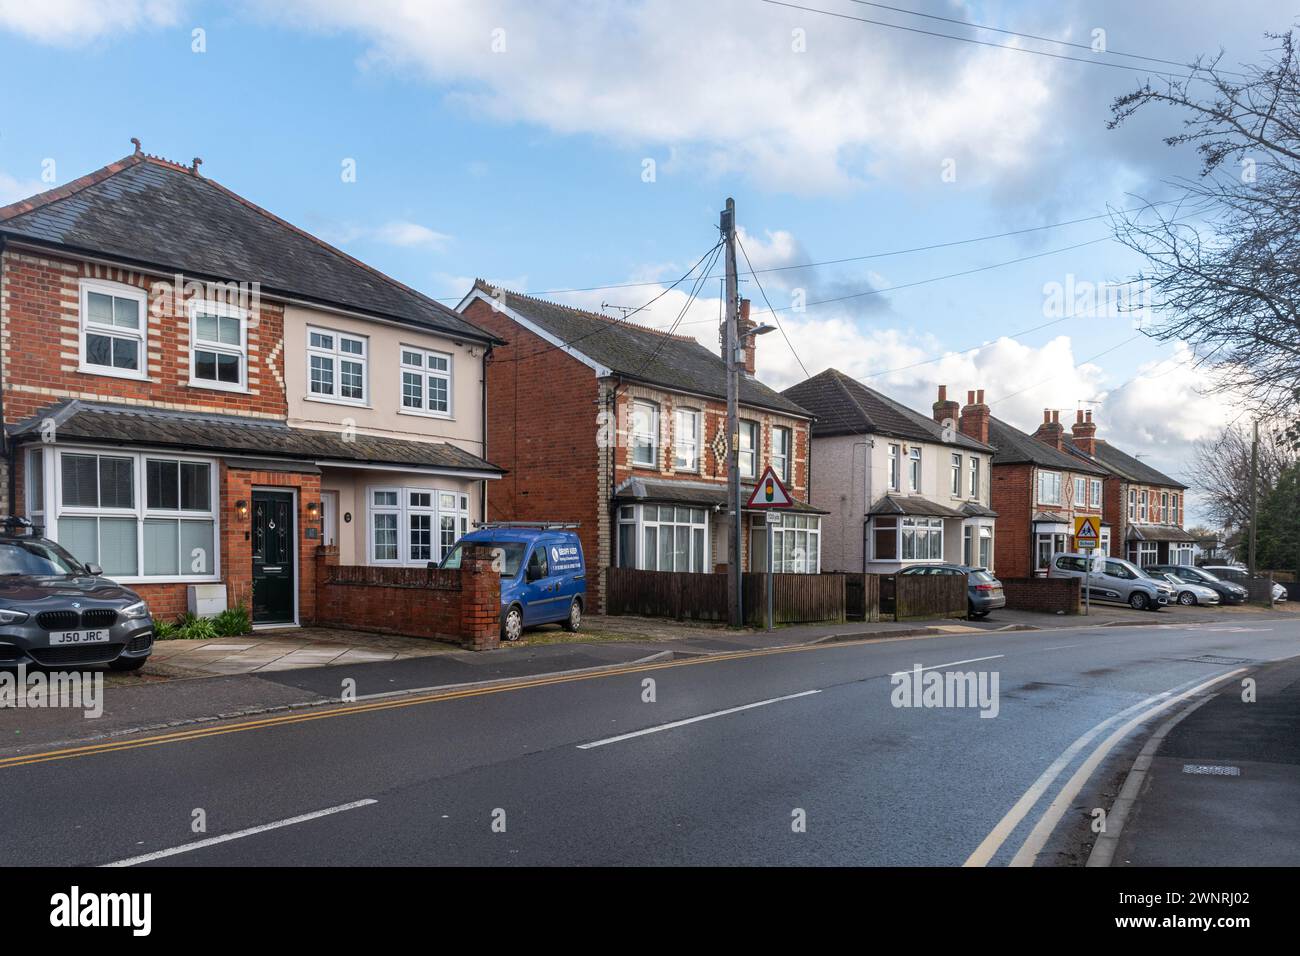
(462, 607)
(1047, 595)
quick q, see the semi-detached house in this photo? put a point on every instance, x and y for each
(197, 393)
(622, 428)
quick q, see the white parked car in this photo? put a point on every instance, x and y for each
(1188, 593)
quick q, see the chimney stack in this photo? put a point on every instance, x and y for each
(1085, 432)
(743, 325)
(945, 409)
(1051, 432)
(974, 421)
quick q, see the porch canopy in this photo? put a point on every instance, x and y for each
(1159, 533)
(699, 493)
(917, 507)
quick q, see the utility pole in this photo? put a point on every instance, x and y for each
(1254, 495)
(728, 228)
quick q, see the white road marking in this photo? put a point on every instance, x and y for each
(990, 845)
(239, 834)
(1061, 647)
(935, 667)
(1042, 830)
(694, 720)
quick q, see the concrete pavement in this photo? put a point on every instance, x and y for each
(773, 756)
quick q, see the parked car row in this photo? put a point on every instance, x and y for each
(1150, 588)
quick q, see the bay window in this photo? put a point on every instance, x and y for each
(796, 544)
(413, 526)
(1046, 545)
(670, 538)
(336, 366)
(884, 539)
(426, 382)
(137, 515)
(113, 329)
(218, 346)
(922, 539)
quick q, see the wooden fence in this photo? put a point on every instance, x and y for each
(929, 595)
(680, 595)
(796, 598)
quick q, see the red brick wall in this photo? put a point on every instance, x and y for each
(40, 322)
(1048, 595)
(463, 607)
(542, 428)
(1011, 495)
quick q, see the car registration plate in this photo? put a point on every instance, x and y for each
(59, 638)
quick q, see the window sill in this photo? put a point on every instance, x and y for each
(172, 579)
(218, 387)
(319, 399)
(444, 416)
(107, 372)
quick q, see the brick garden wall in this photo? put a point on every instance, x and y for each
(1046, 595)
(461, 607)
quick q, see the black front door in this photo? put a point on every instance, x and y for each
(273, 557)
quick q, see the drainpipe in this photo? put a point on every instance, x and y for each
(7, 448)
(483, 403)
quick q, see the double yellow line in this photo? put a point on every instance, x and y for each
(197, 733)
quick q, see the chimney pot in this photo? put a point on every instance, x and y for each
(1078, 415)
(1089, 415)
(943, 393)
(979, 396)
(1047, 416)
(970, 398)
(1056, 417)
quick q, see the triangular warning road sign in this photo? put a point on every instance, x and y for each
(769, 492)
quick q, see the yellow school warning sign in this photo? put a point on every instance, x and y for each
(1087, 532)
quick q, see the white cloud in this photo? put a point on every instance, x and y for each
(717, 85)
(398, 232)
(12, 189)
(73, 22)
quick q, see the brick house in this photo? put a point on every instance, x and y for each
(623, 429)
(193, 394)
(1145, 506)
(900, 488)
(1039, 488)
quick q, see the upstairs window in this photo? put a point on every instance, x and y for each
(1095, 497)
(218, 346)
(956, 476)
(426, 381)
(645, 434)
(1080, 492)
(895, 467)
(686, 440)
(974, 477)
(1049, 487)
(113, 327)
(749, 445)
(336, 366)
(781, 445)
(914, 471)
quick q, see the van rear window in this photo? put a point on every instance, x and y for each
(508, 555)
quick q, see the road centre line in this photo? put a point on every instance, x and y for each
(239, 834)
(693, 720)
(992, 843)
(935, 667)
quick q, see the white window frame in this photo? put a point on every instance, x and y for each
(781, 463)
(747, 426)
(1047, 481)
(1094, 493)
(436, 510)
(956, 474)
(227, 311)
(914, 466)
(895, 467)
(1143, 502)
(1173, 503)
(1132, 504)
(974, 477)
(639, 434)
(1080, 492)
(337, 357)
(682, 442)
(140, 335)
(636, 517)
(425, 374)
(930, 529)
(1164, 507)
(785, 542)
(140, 511)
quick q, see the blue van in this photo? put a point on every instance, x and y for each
(543, 575)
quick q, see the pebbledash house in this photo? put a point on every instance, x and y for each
(197, 394)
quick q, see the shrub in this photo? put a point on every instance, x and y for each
(165, 630)
(233, 622)
(197, 629)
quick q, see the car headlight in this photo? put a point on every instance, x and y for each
(137, 610)
(12, 617)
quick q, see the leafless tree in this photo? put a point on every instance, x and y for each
(1224, 261)
(1222, 469)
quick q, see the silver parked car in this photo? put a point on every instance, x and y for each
(1113, 579)
(1188, 592)
(57, 612)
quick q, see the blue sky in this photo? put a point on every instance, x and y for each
(508, 140)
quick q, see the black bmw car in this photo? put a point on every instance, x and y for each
(57, 612)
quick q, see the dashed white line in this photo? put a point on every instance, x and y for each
(935, 667)
(694, 720)
(239, 834)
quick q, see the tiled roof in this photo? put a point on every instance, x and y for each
(676, 362)
(152, 212)
(1015, 447)
(913, 505)
(1157, 532)
(690, 493)
(228, 434)
(1123, 464)
(844, 406)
